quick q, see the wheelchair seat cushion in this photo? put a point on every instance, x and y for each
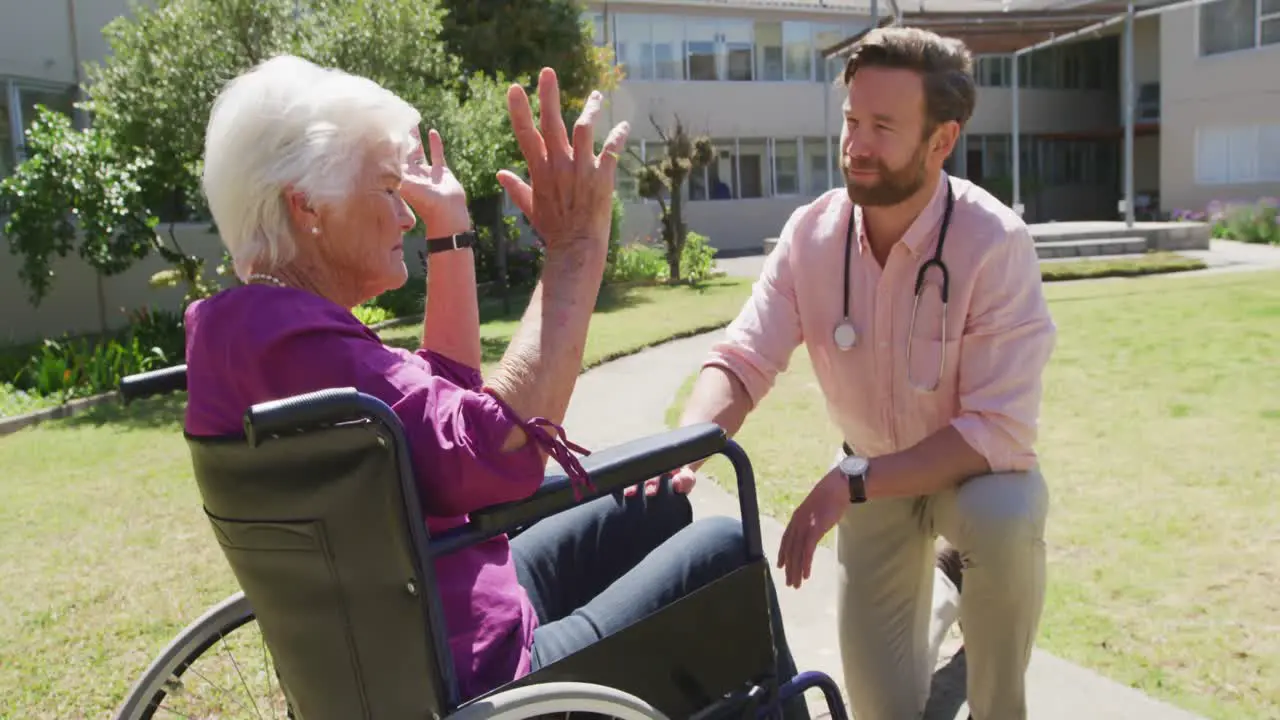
(257, 343)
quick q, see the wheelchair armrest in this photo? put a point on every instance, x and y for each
(611, 470)
(154, 382)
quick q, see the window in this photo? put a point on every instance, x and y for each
(818, 163)
(7, 139)
(597, 25)
(1148, 105)
(736, 42)
(668, 48)
(1234, 155)
(700, 47)
(786, 166)
(633, 46)
(798, 48)
(629, 162)
(1230, 25)
(18, 101)
(825, 36)
(768, 37)
(752, 169)
(992, 70)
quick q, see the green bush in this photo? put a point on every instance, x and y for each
(405, 301)
(637, 262)
(697, 259)
(645, 262)
(371, 314)
(79, 368)
(1252, 222)
(615, 232)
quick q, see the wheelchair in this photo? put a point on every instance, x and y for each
(316, 510)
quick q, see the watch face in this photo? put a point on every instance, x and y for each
(853, 465)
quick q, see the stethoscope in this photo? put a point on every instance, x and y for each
(846, 336)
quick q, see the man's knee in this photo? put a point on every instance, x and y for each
(1000, 512)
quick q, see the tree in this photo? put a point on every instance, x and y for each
(502, 37)
(152, 95)
(75, 193)
(663, 180)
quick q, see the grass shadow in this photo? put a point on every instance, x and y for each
(145, 414)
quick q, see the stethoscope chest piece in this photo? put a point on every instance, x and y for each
(845, 336)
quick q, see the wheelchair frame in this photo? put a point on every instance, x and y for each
(611, 470)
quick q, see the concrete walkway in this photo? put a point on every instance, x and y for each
(628, 398)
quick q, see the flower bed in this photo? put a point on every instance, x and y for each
(1246, 221)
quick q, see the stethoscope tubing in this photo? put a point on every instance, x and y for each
(934, 261)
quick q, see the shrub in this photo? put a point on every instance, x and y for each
(1251, 222)
(647, 262)
(697, 259)
(371, 314)
(637, 262)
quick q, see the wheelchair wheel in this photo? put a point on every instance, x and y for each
(560, 700)
(218, 666)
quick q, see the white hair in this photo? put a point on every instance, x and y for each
(290, 123)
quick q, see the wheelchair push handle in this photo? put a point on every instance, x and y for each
(315, 409)
(153, 382)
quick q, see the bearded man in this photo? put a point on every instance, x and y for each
(918, 298)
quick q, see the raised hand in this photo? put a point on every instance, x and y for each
(568, 198)
(432, 190)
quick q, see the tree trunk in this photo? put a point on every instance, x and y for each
(500, 240)
(102, 303)
(675, 222)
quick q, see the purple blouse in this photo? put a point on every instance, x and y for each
(257, 343)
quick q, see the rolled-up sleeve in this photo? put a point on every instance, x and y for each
(1007, 343)
(456, 433)
(761, 339)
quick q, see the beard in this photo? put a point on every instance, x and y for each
(893, 186)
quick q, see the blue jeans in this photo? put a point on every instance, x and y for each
(603, 565)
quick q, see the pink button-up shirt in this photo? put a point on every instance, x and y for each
(999, 335)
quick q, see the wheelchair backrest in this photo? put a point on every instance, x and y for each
(314, 522)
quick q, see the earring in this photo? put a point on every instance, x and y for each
(315, 231)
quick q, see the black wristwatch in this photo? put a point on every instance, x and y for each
(855, 468)
(451, 242)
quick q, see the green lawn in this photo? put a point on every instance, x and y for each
(104, 551)
(1160, 438)
(1152, 263)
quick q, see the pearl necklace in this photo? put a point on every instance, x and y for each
(270, 279)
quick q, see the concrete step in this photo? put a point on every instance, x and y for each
(1090, 247)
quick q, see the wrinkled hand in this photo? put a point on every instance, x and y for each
(569, 196)
(815, 517)
(682, 481)
(432, 190)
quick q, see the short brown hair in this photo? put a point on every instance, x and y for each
(944, 64)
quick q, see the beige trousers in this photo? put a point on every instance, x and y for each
(895, 607)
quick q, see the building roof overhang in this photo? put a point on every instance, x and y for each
(1006, 26)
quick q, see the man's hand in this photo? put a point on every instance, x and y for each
(682, 481)
(432, 190)
(815, 517)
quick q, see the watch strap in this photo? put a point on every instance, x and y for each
(857, 482)
(858, 488)
(451, 242)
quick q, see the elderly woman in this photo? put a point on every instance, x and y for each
(313, 176)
